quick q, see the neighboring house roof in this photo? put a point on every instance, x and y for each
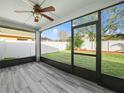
(15, 36)
(10, 33)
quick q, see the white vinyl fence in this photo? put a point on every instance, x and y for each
(16, 49)
(112, 45)
(20, 49)
(115, 46)
(48, 47)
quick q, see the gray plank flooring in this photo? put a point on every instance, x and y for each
(42, 78)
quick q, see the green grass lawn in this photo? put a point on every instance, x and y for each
(112, 64)
(9, 58)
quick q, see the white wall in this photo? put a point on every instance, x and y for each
(16, 49)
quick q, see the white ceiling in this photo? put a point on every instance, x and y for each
(65, 10)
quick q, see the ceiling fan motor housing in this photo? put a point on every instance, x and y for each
(38, 12)
(36, 20)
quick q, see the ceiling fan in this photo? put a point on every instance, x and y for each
(38, 11)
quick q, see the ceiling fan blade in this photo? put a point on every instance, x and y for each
(49, 18)
(29, 2)
(23, 11)
(48, 9)
(42, 2)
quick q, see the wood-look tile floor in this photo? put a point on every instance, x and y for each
(42, 78)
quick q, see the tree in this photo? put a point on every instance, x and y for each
(62, 36)
(90, 31)
(78, 40)
(68, 46)
(112, 20)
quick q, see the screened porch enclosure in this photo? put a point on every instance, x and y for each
(91, 45)
(80, 51)
(89, 42)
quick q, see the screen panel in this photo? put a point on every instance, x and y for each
(86, 19)
(85, 47)
(113, 41)
(56, 43)
(16, 44)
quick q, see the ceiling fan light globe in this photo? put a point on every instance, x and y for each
(36, 15)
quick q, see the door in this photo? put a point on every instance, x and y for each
(84, 46)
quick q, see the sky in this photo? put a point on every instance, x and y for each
(52, 33)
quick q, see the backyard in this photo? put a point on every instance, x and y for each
(112, 64)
